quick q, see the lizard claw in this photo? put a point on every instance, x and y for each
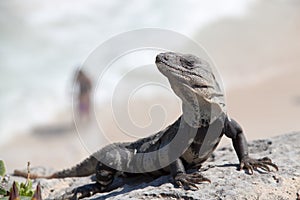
(82, 192)
(189, 181)
(251, 164)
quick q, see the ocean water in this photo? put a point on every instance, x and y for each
(42, 42)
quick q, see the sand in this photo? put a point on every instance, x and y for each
(269, 108)
(265, 108)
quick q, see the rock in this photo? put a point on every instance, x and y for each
(227, 181)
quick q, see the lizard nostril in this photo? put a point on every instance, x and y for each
(157, 59)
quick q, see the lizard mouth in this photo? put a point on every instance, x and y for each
(164, 67)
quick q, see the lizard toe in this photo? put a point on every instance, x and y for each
(82, 192)
(263, 167)
(189, 181)
(251, 164)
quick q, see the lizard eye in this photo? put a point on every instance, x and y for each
(188, 63)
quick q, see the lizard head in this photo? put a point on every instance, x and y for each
(193, 81)
(186, 69)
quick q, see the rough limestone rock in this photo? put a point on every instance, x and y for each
(221, 169)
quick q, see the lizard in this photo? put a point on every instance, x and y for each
(182, 146)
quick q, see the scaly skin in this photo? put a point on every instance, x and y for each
(185, 144)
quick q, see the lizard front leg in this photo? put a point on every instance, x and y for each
(182, 179)
(234, 131)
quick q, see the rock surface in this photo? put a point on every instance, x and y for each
(221, 169)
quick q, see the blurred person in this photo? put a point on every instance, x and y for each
(83, 95)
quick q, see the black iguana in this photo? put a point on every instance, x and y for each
(184, 145)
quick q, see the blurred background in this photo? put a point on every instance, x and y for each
(255, 45)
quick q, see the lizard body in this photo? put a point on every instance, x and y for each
(185, 144)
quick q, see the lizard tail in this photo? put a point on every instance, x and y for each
(85, 168)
